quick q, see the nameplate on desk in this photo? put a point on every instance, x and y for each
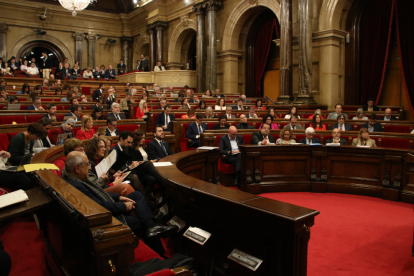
(245, 259)
(162, 164)
(207, 148)
(176, 221)
(197, 235)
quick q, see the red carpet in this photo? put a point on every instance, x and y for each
(357, 235)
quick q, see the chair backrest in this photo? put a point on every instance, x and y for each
(7, 120)
(247, 138)
(394, 143)
(4, 141)
(131, 128)
(33, 118)
(400, 129)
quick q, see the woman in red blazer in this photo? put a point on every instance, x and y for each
(86, 131)
(259, 105)
(142, 109)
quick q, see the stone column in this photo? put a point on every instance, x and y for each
(150, 30)
(286, 56)
(159, 28)
(79, 37)
(92, 38)
(212, 6)
(3, 52)
(126, 51)
(305, 54)
(201, 47)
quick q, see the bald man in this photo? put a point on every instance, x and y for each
(229, 146)
(336, 138)
(76, 173)
(388, 116)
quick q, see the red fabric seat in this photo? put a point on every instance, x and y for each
(4, 141)
(224, 168)
(131, 128)
(183, 141)
(33, 118)
(394, 143)
(60, 163)
(7, 120)
(80, 78)
(399, 129)
(247, 138)
(11, 135)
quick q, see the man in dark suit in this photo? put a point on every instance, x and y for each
(115, 112)
(143, 65)
(110, 73)
(51, 113)
(218, 95)
(165, 118)
(243, 123)
(309, 140)
(373, 125)
(229, 148)
(111, 129)
(13, 65)
(129, 87)
(195, 129)
(158, 148)
(336, 138)
(240, 105)
(47, 65)
(388, 116)
(98, 92)
(341, 125)
(75, 111)
(99, 103)
(262, 137)
(370, 106)
(121, 67)
(37, 104)
(66, 72)
(179, 99)
(77, 172)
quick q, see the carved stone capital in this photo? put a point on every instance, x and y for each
(126, 39)
(160, 25)
(92, 37)
(253, 2)
(185, 21)
(199, 9)
(150, 28)
(78, 36)
(3, 27)
(213, 5)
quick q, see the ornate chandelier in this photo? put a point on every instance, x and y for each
(76, 5)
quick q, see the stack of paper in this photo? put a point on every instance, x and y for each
(162, 164)
(13, 198)
(106, 164)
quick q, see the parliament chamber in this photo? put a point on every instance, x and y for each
(231, 107)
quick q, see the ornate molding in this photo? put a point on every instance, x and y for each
(386, 180)
(78, 36)
(253, 2)
(257, 177)
(213, 5)
(3, 28)
(92, 37)
(185, 21)
(98, 234)
(249, 179)
(126, 39)
(199, 8)
(160, 25)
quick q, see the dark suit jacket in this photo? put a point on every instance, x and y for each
(225, 145)
(161, 119)
(377, 127)
(96, 94)
(348, 127)
(221, 96)
(47, 116)
(192, 130)
(314, 141)
(30, 107)
(392, 118)
(236, 107)
(122, 116)
(92, 107)
(374, 108)
(244, 126)
(108, 74)
(15, 64)
(107, 133)
(155, 151)
(46, 64)
(258, 137)
(217, 126)
(121, 67)
(342, 141)
(70, 114)
(63, 73)
(143, 65)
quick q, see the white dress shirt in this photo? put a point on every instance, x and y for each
(113, 133)
(144, 154)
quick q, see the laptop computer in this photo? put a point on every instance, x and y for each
(25, 160)
(13, 107)
(61, 139)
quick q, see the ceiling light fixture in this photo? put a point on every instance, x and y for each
(76, 6)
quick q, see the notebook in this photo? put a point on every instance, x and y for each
(61, 139)
(13, 198)
(13, 107)
(25, 160)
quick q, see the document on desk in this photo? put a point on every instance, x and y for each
(162, 164)
(13, 198)
(207, 148)
(333, 144)
(106, 164)
(40, 167)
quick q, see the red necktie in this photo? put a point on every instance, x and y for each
(342, 128)
(265, 140)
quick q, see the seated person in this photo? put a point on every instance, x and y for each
(252, 113)
(51, 113)
(341, 125)
(293, 111)
(110, 73)
(159, 67)
(360, 115)
(143, 110)
(222, 123)
(43, 143)
(317, 111)
(309, 140)
(243, 123)
(221, 104)
(373, 125)
(229, 148)
(70, 94)
(115, 112)
(22, 143)
(338, 111)
(317, 123)
(88, 74)
(218, 95)
(158, 148)
(126, 103)
(121, 67)
(363, 139)
(228, 113)
(268, 119)
(98, 92)
(293, 123)
(209, 113)
(76, 173)
(388, 116)
(184, 104)
(66, 128)
(97, 114)
(86, 131)
(336, 138)
(195, 99)
(32, 71)
(111, 127)
(240, 105)
(66, 72)
(165, 118)
(285, 137)
(190, 114)
(37, 104)
(98, 103)
(262, 137)
(75, 111)
(8, 179)
(370, 106)
(259, 105)
(179, 99)
(110, 98)
(195, 129)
